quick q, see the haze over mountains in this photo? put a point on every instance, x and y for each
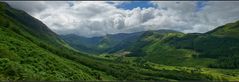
(106, 44)
(29, 50)
(221, 43)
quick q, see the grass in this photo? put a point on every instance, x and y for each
(26, 54)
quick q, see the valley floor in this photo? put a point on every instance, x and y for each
(213, 73)
(30, 51)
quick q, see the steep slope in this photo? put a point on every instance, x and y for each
(221, 44)
(26, 56)
(32, 25)
(29, 50)
(228, 30)
(217, 48)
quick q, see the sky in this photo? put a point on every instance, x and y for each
(98, 18)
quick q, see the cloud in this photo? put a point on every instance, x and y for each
(96, 18)
(211, 14)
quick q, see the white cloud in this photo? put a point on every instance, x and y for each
(215, 13)
(95, 18)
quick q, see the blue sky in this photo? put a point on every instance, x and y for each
(200, 5)
(146, 4)
(134, 4)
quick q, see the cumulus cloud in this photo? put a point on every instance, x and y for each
(96, 18)
(211, 15)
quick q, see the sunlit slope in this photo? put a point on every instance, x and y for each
(28, 54)
(27, 50)
(221, 44)
(154, 47)
(217, 48)
(228, 30)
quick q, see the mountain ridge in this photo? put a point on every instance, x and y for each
(26, 54)
(109, 43)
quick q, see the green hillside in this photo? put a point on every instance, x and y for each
(30, 51)
(228, 30)
(153, 47)
(217, 48)
(32, 55)
(110, 43)
(221, 44)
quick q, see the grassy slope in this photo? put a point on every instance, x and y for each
(217, 48)
(26, 56)
(221, 44)
(228, 30)
(154, 48)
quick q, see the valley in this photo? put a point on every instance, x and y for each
(29, 50)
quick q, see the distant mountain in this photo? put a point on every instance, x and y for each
(109, 43)
(82, 43)
(31, 51)
(217, 48)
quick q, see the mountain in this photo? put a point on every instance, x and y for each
(217, 48)
(31, 51)
(103, 44)
(80, 42)
(228, 30)
(209, 49)
(109, 43)
(221, 43)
